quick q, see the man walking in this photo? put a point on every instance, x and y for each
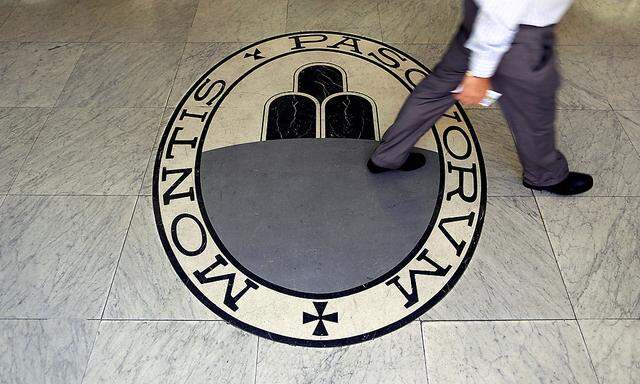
(507, 46)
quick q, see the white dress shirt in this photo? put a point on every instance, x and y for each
(496, 25)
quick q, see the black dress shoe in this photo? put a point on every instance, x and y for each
(413, 162)
(574, 184)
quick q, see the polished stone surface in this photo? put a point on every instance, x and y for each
(99, 151)
(506, 352)
(33, 74)
(630, 121)
(513, 273)
(146, 21)
(601, 22)
(45, 351)
(598, 249)
(419, 21)
(197, 59)
(122, 75)
(171, 352)
(394, 358)
(359, 16)
(59, 254)
(613, 346)
(145, 285)
(19, 128)
(233, 21)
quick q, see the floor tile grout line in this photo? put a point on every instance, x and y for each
(9, 14)
(75, 66)
(124, 242)
(586, 348)
(33, 144)
(380, 21)
(424, 351)
(255, 370)
(95, 338)
(286, 16)
(615, 114)
(553, 252)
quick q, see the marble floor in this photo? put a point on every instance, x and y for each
(87, 295)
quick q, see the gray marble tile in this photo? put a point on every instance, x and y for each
(101, 151)
(394, 358)
(595, 240)
(6, 8)
(427, 54)
(2, 197)
(171, 352)
(58, 20)
(583, 78)
(19, 128)
(59, 254)
(630, 121)
(147, 183)
(506, 352)
(238, 21)
(122, 75)
(594, 142)
(613, 346)
(358, 16)
(146, 21)
(146, 286)
(33, 74)
(196, 60)
(513, 274)
(601, 22)
(45, 351)
(504, 172)
(622, 77)
(419, 21)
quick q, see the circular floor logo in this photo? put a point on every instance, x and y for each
(269, 215)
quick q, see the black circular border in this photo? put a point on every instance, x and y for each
(286, 339)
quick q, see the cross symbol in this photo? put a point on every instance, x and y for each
(255, 54)
(320, 330)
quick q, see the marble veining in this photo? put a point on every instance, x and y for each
(238, 21)
(630, 121)
(172, 352)
(583, 76)
(45, 351)
(394, 358)
(19, 127)
(33, 74)
(145, 285)
(506, 352)
(90, 151)
(613, 346)
(594, 142)
(418, 21)
(597, 246)
(197, 59)
(59, 254)
(513, 274)
(66, 20)
(146, 21)
(122, 75)
(600, 22)
(359, 16)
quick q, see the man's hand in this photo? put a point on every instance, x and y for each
(473, 90)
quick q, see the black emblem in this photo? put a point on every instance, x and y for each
(256, 54)
(320, 330)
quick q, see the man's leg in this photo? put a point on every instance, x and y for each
(528, 80)
(428, 101)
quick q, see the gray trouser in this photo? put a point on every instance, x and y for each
(526, 77)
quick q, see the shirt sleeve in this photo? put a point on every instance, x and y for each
(494, 28)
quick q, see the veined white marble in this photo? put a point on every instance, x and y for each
(596, 242)
(394, 358)
(19, 128)
(45, 351)
(145, 285)
(33, 74)
(122, 75)
(171, 352)
(506, 352)
(418, 21)
(583, 83)
(233, 21)
(613, 346)
(358, 16)
(513, 274)
(90, 151)
(59, 254)
(630, 121)
(600, 22)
